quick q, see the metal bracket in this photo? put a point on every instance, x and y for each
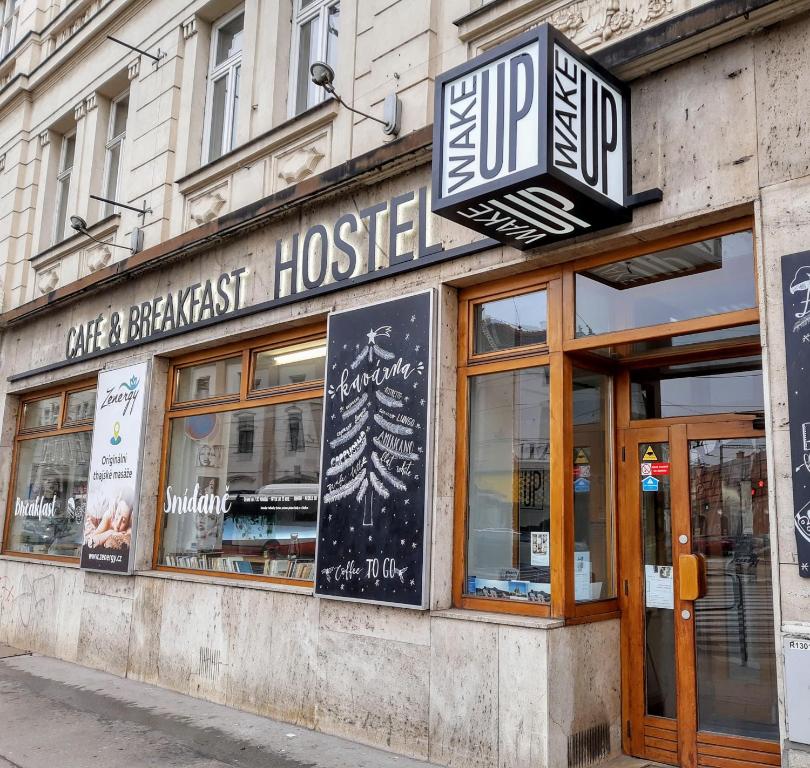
(652, 195)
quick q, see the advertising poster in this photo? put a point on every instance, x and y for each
(375, 488)
(115, 460)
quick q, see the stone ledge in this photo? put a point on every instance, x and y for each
(25, 559)
(507, 619)
(222, 582)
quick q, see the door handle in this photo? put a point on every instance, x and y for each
(692, 576)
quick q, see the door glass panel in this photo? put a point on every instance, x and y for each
(734, 642)
(656, 515)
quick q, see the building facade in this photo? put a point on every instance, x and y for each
(609, 552)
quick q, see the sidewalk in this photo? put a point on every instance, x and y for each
(56, 714)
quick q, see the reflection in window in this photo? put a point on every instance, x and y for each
(719, 386)
(516, 321)
(706, 278)
(508, 535)
(251, 506)
(317, 25)
(593, 509)
(50, 495)
(294, 364)
(209, 379)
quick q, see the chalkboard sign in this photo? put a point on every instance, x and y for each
(796, 298)
(373, 517)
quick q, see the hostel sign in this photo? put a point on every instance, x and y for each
(530, 142)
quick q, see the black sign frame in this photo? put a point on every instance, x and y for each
(338, 565)
(602, 210)
(796, 293)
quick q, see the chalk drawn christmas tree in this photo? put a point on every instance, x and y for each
(375, 431)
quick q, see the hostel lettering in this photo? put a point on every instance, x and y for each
(351, 246)
(177, 309)
(530, 142)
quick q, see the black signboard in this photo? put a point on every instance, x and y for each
(796, 297)
(375, 467)
(531, 142)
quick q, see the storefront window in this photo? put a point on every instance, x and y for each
(48, 497)
(515, 321)
(210, 379)
(240, 494)
(710, 277)
(508, 528)
(593, 508)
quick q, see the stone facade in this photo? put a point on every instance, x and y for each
(722, 132)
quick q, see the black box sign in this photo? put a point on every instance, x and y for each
(373, 518)
(531, 142)
(796, 298)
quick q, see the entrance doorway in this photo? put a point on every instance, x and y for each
(699, 671)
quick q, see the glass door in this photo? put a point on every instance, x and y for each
(698, 636)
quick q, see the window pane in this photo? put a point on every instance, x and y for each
(513, 322)
(81, 406)
(718, 386)
(229, 39)
(242, 491)
(290, 365)
(61, 208)
(219, 101)
(50, 495)
(332, 31)
(121, 108)
(696, 280)
(113, 164)
(219, 377)
(234, 107)
(593, 510)
(69, 152)
(307, 51)
(42, 413)
(734, 642)
(508, 528)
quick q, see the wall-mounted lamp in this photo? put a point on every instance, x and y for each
(324, 76)
(136, 244)
(156, 57)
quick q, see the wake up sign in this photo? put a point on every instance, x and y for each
(530, 142)
(373, 519)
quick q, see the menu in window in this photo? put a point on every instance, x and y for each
(373, 518)
(115, 461)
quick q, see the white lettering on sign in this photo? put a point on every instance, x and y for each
(491, 121)
(587, 127)
(37, 507)
(196, 503)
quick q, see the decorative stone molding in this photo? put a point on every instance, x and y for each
(91, 102)
(79, 111)
(44, 139)
(589, 23)
(299, 164)
(134, 68)
(189, 28)
(48, 279)
(207, 206)
(98, 257)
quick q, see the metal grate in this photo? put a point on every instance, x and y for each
(210, 663)
(589, 746)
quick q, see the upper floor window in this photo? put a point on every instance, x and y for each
(316, 39)
(222, 102)
(67, 154)
(116, 133)
(9, 12)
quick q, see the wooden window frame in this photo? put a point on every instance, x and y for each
(563, 351)
(244, 400)
(22, 435)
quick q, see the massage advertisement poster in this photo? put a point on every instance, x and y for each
(115, 461)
